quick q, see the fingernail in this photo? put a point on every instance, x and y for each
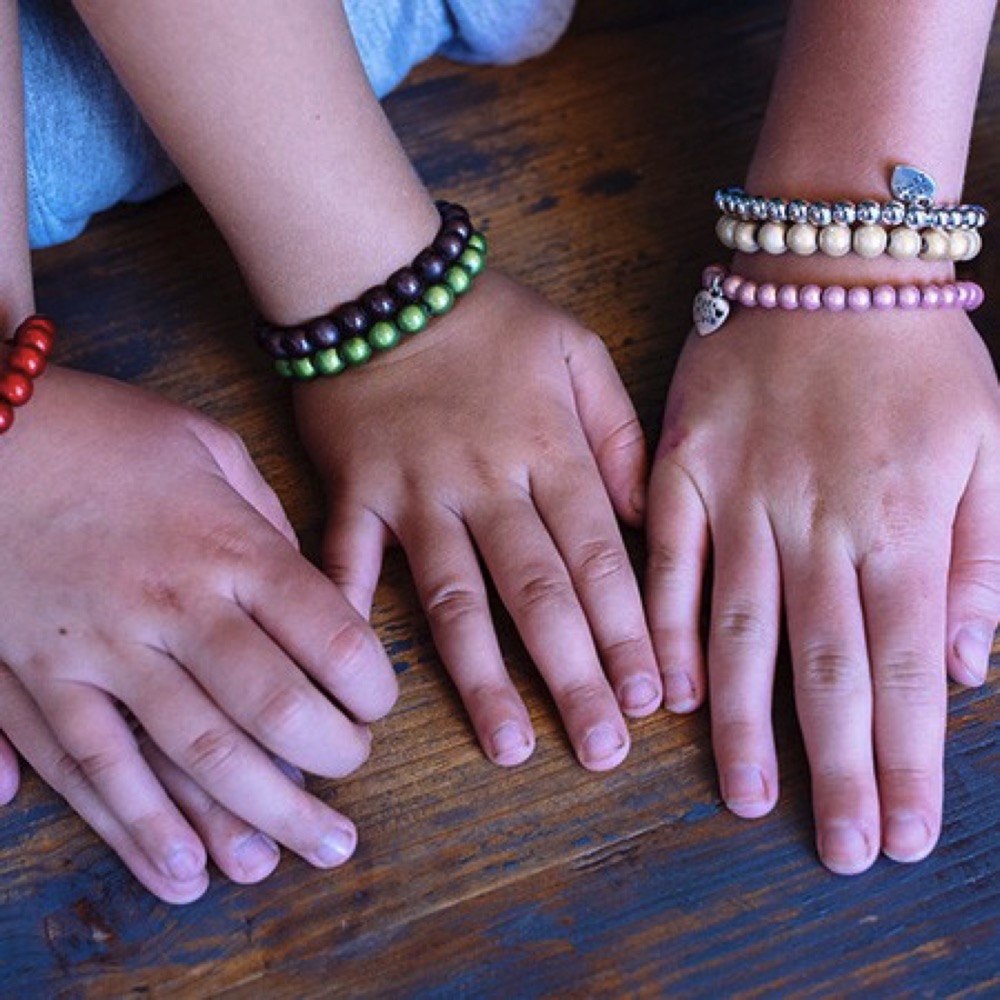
(256, 852)
(336, 847)
(745, 790)
(637, 694)
(845, 849)
(972, 647)
(183, 865)
(510, 744)
(601, 743)
(907, 837)
(679, 694)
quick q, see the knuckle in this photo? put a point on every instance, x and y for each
(452, 604)
(579, 696)
(742, 625)
(911, 679)
(346, 650)
(286, 709)
(823, 669)
(541, 591)
(213, 753)
(66, 775)
(599, 561)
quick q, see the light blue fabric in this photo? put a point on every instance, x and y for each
(88, 148)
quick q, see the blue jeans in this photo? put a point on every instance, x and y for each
(88, 147)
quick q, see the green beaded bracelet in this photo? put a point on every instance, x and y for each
(437, 300)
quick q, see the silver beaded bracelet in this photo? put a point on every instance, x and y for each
(912, 205)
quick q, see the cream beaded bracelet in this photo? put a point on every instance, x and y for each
(721, 289)
(908, 227)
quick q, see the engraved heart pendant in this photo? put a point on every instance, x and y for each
(711, 310)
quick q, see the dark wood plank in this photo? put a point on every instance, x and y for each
(593, 169)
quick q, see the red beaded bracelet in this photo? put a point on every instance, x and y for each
(26, 360)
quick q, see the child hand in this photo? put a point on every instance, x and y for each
(499, 433)
(848, 466)
(150, 567)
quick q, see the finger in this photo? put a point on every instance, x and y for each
(312, 621)
(677, 530)
(974, 580)
(352, 552)
(579, 517)
(93, 733)
(742, 646)
(239, 472)
(242, 853)
(9, 772)
(451, 589)
(231, 768)
(611, 425)
(532, 581)
(257, 686)
(31, 734)
(833, 698)
(904, 589)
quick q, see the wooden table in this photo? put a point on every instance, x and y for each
(594, 169)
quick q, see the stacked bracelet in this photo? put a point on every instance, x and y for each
(907, 227)
(353, 332)
(26, 360)
(720, 289)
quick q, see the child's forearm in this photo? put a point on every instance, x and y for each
(860, 89)
(286, 146)
(16, 298)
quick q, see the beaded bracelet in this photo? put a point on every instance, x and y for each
(907, 227)
(28, 357)
(911, 205)
(720, 289)
(837, 239)
(376, 321)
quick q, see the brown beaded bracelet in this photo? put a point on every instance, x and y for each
(383, 303)
(27, 359)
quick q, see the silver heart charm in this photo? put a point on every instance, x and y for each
(711, 310)
(912, 186)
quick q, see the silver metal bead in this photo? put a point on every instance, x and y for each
(743, 206)
(869, 212)
(938, 217)
(777, 210)
(955, 218)
(798, 211)
(820, 214)
(893, 213)
(720, 199)
(917, 218)
(731, 200)
(844, 212)
(758, 209)
(970, 217)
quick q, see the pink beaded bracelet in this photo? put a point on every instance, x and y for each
(721, 288)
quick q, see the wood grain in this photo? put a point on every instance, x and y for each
(593, 169)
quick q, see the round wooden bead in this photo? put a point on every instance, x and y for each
(26, 360)
(771, 238)
(439, 299)
(430, 266)
(356, 351)
(296, 343)
(323, 333)
(411, 319)
(405, 285)
(383, 335)
(303, 368)
(40, 336)
(283, 367)
(6, 417)
(15, 388)
(449, 246)
(458, 279)
(870, 241)
(472, 260)
(959, 244)
(379, 303)
(835, 240)
(904, 243)
(329, 361)
(460, 226)
(725, 230)
(478, 242)
(933, 245)
(352, 319)
(802, 239)
(745, 237)
(975, 244)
